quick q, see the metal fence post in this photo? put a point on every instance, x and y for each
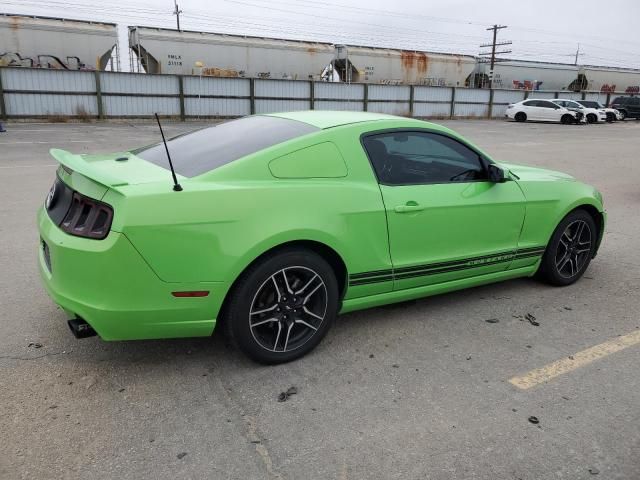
(453, 102)
(99, 96)
(252, 96)
(555, 95)
(181, 92)
(526, 94)
(365, 99)
(411, 96)
(312, 95)
(3, 106)
(584, 95)
(608, 99)
(490, 109)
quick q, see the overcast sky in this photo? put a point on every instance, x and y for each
(608, 31)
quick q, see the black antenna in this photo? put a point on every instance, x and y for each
(176, 185)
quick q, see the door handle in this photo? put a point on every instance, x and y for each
(409, 207)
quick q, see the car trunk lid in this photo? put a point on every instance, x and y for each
(95, 174)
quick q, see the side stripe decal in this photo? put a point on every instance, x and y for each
(376, 276)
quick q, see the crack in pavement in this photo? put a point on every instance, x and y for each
(251, 427)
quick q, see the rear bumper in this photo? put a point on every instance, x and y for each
(109, 285)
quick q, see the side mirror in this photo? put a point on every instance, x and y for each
(496, 174)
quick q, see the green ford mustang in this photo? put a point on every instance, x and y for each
(286, 220)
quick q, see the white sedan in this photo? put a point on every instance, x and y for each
(591, 115)
(541, 110)
(612, 113)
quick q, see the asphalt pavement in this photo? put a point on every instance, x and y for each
(419, 390)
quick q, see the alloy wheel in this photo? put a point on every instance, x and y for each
(574, 248)
(288, 309)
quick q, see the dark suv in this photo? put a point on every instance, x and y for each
(627, 106)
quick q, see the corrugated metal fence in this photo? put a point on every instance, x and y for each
(41, 93)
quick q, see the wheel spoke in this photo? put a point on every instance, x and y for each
(262, 322)
(306, 285)
(264, 310)
(563, 261)
(273, 277)
(306, 299)
(578, 233)
(286, 282)
(572, 267)
(306, 324)
(275, 344)
(309, 312)
(583, 250)
(286, 340)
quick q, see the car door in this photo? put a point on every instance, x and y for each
(532, 110)
(549, 110)
(445, 220)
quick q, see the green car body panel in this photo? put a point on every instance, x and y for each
(318, 190)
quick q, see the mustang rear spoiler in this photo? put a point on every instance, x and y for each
(93, 170)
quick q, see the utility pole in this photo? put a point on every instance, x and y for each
(577, 53)
(177, 13)
(493, 52)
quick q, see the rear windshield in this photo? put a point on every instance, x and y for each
(590, 104)
(206, 149)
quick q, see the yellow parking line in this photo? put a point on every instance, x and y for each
(580, 359)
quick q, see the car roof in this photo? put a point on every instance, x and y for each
(327, 118)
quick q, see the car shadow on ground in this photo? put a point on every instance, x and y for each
(353, 330)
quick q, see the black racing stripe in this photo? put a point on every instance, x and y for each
(375, 273)
(367, 281)
(375, 276)
(463, 261)
(533, 249)
(450, 269)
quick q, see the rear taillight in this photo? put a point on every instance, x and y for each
(87, 218)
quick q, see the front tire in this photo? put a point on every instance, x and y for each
(570, 249)
(567, 119)
(282, 306)
(520, 117)
(591, 118)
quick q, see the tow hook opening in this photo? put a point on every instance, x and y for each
(80, 328)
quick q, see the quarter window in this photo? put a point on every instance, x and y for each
(408, 158)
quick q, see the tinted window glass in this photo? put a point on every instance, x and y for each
(590, 104)
(405, 158)
(531, 103)
(542, 103)
(209, 148)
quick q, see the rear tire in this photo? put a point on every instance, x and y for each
(623, 115)
(520, 117)
(570, 249)
(567, 119)
(282, 306)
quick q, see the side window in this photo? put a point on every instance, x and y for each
(547, 104)
(531, 103)
(409, 158)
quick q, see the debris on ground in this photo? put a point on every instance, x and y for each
(34, 345)
(395, 365)
(371, 355)
(568, 308)
(532, 320)
(492, 320)
(284, 396)
(534, 420)
(594, 471)
(181, 455)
